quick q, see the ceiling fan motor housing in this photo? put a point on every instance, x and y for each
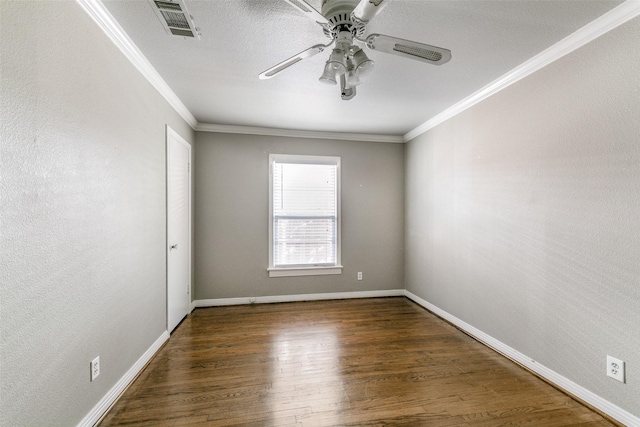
(338, 13)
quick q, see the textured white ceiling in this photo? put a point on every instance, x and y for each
(216, 77)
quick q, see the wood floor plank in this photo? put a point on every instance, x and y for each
(368, 362)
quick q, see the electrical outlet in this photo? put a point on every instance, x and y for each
(95, 368)
(359, 275)
(615, 368)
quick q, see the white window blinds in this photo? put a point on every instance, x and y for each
(304, 212)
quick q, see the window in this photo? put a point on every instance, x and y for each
(304, 215)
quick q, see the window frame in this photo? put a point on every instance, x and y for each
(305, 270)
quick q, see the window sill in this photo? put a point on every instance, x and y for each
(304, 271)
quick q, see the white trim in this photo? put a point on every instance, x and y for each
(605, 23)
(580, 392)
(563, 383)
(175, 136)
(112, 395)
(305, 271)
(299, 297)
(263, 131)
(305, 159)
(114, 31)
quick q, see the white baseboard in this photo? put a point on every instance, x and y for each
(569, 386)
(298, 297)
(105, 403)
(580, 392)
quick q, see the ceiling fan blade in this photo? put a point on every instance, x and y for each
(409, 49)
(308, 53)
(308, 10)
(367, 9)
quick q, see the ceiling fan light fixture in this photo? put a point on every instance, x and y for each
(353, 79)
(362, 64)
(328, 77)
(344, 21)
(338, 61)
(338, 67)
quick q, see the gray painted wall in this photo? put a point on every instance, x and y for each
(522, 215)
(231, 193)
(83, 213)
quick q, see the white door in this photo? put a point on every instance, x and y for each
(178, 228)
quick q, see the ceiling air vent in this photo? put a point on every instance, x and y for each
(175, 18)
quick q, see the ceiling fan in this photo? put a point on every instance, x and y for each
(345, 23)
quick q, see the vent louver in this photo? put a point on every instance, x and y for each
(175, 18)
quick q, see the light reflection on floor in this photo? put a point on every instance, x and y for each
(306, 374)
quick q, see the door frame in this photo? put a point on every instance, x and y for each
(173, 135)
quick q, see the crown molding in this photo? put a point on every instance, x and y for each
(96, 10)
(343, 136)
(605, 23)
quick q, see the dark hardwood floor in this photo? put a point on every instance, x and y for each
(367, 362)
